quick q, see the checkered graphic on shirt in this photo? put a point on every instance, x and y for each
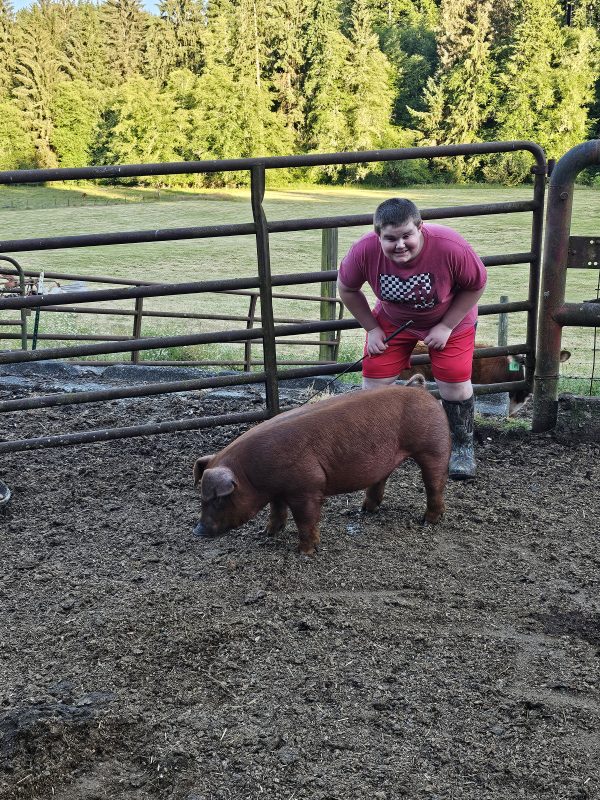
(415, 291)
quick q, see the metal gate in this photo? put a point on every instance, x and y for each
(261, 229)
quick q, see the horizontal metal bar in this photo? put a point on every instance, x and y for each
(504, 308)
(272, 162)
(108, 434)
(163, 290)
(579, 315)
(244, 229)
(19, 356)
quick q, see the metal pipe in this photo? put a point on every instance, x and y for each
(554, 277)
(272, 162)
(243, 229)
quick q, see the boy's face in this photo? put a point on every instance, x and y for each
(401, 243)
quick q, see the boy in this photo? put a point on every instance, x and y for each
(429, 274)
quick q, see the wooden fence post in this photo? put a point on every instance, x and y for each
(329, 256)
(503, 325)
(137, 326)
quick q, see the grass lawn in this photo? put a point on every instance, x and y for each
(31, 211)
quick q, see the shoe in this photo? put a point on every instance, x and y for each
(5, 493)
(461, 415)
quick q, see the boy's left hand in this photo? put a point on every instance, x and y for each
(438, 336)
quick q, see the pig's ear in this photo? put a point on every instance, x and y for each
(217, 482)
(199, 467)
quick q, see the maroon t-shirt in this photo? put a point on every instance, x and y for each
(423, 288)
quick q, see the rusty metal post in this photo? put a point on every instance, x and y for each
(554, 278)
(329, 256)
(540, 170)
(24, 311)
(250, 324)
(137, 326)
(257, 189)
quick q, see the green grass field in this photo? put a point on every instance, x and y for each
(28, 211)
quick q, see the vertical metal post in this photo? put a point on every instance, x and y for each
(503, 325)
(250, 324)
(329, 256)
(535, 267)
(137, 326)
(257, 193)
(554, 280)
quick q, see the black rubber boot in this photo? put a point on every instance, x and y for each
(462, 458)
(5, 493)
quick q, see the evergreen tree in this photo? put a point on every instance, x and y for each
(125, 31)
(17, 149)
(536, 81)
(144, 125)
(85, 46)
(40, 67)
(370, 87)
(327, 95)
(182, 35)
(75, 115)
(7, 55)
(286, 46)
(459, 97)
(410, 46)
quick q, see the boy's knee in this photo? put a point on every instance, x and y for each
(377, 383)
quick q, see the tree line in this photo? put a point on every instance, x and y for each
(84, 83)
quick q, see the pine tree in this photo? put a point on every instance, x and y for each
(327, 95)
(286, 46)
(40, 67)
(85, 46)
(181, 45)
(370, 86)
(409, 44)
(17, 149)
(7, 55)
(542, 98)
(125, 29)
(75, 117)
(459, 97)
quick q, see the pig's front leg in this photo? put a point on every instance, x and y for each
(306, 512)
(277, 517)
(374, 496)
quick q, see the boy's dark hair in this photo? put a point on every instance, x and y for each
(395, 211)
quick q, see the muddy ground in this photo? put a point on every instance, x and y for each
(402, 662)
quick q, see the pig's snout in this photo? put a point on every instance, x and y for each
(204, 531)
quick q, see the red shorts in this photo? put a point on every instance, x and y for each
(453, 364)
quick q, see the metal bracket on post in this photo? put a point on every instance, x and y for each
(257, 190)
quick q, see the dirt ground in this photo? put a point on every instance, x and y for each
(137, 661)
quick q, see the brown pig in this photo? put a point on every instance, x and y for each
(342, 444)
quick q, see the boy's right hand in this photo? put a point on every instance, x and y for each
(375, 341)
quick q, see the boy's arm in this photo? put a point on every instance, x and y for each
(461, 305)
(358, 305)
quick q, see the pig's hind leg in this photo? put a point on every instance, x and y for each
(434, 470)
(277, 517)
(374, 495)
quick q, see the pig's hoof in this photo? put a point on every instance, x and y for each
(369, 508)
(272, 531)
(429, 523)
(308, 555)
